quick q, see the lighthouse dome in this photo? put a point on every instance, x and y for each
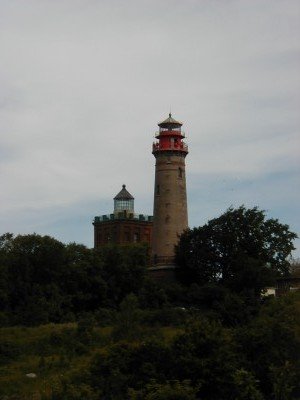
(123, 201)
(170, 123)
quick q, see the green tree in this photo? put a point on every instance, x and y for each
(246, 386)
(127, 319)
(42, 280)
(83, 281)
(6, 245)
(206, 354)
(151, 295)
(285, 381)
(240, 249)
(34, 269)
(270, 346)
(124, 270)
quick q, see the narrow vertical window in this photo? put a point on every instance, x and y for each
(180, 172)
(157, 189)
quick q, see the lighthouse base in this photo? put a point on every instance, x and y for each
(163, 273)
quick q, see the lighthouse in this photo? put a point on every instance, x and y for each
(170, 217)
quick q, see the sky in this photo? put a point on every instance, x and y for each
(83, 84)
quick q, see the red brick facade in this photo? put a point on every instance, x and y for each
(122, 231)
(123, 226)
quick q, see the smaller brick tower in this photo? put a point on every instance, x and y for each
(122, 226)
(170, 202)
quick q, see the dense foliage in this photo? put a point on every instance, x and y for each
(241, 250)
(42, 280)
(224, 339)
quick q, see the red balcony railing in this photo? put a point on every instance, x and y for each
(179, 147)
(169, 133)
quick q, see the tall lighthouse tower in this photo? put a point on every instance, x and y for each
(170, 204)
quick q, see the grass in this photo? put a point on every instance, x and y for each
(28, 346)
(52, 352)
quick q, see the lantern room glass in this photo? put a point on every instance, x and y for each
(122, 205)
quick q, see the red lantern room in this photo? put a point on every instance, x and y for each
(170, 137)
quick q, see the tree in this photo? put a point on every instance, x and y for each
(128, 318)
(285, 381)
(6, 241)
(246, 386)
(295, 268)
(270, 346)
(82, 282)
(34, 269)
(206, 355)
(124, 270)
(241, 249)
(43, 280)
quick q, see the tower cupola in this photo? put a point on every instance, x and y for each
(124, 201)
(170, 123)
(170, 137)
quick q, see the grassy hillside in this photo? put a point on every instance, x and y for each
(131, 359)
(52, 352)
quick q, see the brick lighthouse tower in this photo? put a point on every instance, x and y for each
(170, 204)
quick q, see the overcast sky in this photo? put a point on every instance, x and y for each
(83, 84)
